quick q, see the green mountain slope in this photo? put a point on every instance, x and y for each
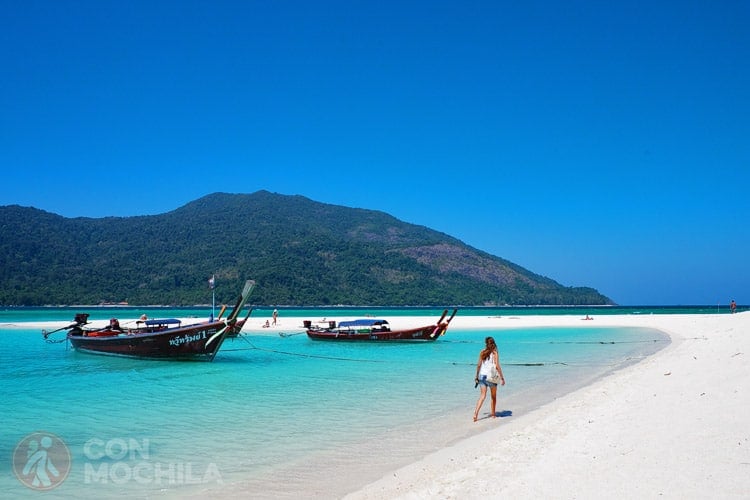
(300, 252)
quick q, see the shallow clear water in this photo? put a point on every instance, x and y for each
(272, 415)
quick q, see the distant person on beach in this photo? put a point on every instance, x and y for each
(275, 316)
(488, 367)
(733, 306)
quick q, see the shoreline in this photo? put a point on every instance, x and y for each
(671, 425)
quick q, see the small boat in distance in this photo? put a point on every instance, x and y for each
(164, 339)
(377, 330)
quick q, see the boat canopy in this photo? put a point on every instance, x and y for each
(363, 322)
(157, 322)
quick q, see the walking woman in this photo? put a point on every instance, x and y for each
(489, 374)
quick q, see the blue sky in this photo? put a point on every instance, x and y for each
(601, 144)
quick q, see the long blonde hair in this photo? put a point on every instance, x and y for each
(489, 348)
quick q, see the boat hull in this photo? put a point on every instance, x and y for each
(194, 342)
(422, 334)
(165, 338)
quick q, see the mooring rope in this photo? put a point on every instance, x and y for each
(505, 363)
(551, 363)
(564, 341)
(54, 341)
(301, 355)
(454, 363)
(592, 341)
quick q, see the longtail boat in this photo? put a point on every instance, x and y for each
(165, 339)
(377, 330)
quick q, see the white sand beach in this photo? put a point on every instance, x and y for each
(674, 425)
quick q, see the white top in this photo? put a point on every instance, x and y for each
(487, 365)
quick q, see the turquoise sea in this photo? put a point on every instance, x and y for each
(277, 416)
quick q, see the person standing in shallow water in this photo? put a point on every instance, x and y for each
(489, 361)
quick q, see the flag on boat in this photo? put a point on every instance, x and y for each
(212, 282)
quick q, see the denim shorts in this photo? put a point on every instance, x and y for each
(483, 381)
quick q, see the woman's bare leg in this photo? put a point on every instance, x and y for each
(493, 394)
(482, 395)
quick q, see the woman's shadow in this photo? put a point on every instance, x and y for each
(501, 414)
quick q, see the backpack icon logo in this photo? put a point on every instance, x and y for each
(41, 461)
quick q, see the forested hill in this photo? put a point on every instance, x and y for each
(300, 252)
